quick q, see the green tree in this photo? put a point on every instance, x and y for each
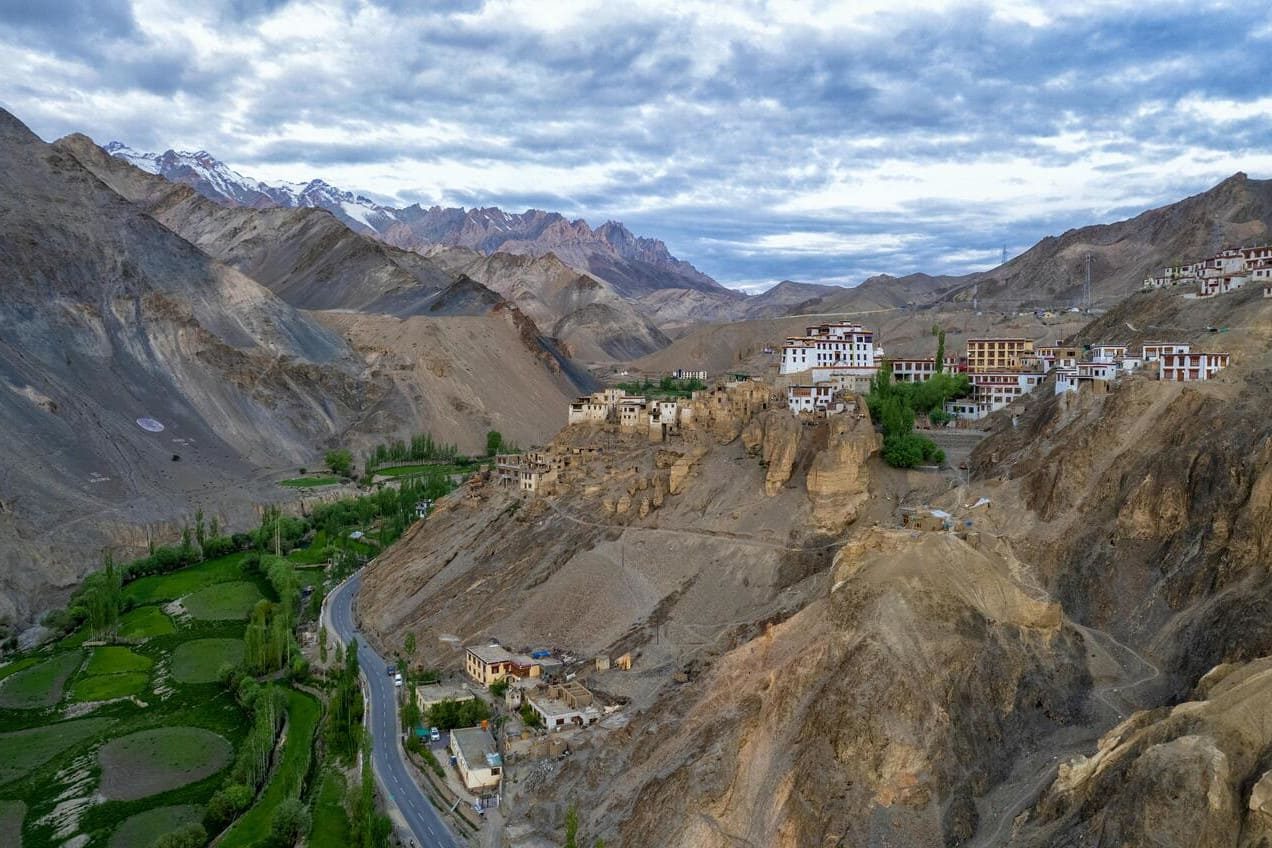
(190, 836)
(408, 644)
(494, 442)
(290, 822)
(340, 461)
(940, 352)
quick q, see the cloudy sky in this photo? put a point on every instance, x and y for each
(818, 142)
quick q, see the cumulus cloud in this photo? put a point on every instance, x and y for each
(761, 140)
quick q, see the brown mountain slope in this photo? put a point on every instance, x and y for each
(576, 307)
(107, 317)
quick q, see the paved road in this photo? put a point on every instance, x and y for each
(386, 755)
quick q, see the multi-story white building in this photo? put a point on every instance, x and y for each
(1226, 271)
(1152, 351)
(825, 345)
(810, 398)
(1108, 352)
(995, 389)
(1188, 366)
(686, 374)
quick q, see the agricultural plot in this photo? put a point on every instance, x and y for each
(144, 828)
(330, 821)
(112, 672)
(39, 685)
(144, 623)
(23, 751)
(288, 779)
(223, 601)
(152, 761)
(200, 660)
(169, 587)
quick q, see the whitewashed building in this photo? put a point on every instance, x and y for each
(1188, 366)
(815, 398)
(1152, 351)
(1108, 352)
(824, 345)
(918, 370)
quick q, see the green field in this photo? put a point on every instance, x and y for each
(16, 666)
(144, 828)
(310, 482)
(287, 781)
(39, 685)
(330, 821)
(25, 750)
(152, 761)
(200, 660)
(145, 622)
(414, 470)
(116, 660)
(108, 687)
(169, 587)
(223, 601)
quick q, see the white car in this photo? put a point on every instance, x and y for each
(397, 679)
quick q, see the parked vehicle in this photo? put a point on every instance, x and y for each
(435, 735)
(397, 680)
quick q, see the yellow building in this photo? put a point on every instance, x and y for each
(996, 354)
(489, 664)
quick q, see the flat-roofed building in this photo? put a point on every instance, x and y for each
(1187, 367)
(984, 355)
(489, 664)
(565, 705)
(476, 757)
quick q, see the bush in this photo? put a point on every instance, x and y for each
(225, 806)
(290, 822)
(530, 717)
(499, 688)
(340, 462)
(447, 715)
(190, 836)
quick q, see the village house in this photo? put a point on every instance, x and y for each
(846, 379)
(1152, 351)
(1108, 352)
(985, 355)
(810, 398)
(1186, 367)
(431, 694)
(477, 758)
(840, 343)
(564, 705)
(1226, 271)
(994, 390)
(686, 374)
(489, 664)
(1058, 356)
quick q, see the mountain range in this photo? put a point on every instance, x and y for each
(632, 264)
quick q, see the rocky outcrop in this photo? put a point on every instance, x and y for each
(775, 438)
(724, 412)
(1192, 775)
(838, 479)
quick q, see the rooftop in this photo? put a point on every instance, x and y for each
(490, 653)
(476, 746)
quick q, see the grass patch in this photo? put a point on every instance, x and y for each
(330, 821)
(145, 622)
(157, 760)
(40, 685)
(116, 660)
(144, 828)
(11, 815)
(17, 665)
(288, 779)
(200, 660)
(310, 482)
(26, 750)
(223, 602)
(169, 587)
(108, 687)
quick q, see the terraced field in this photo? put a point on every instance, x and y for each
(155, 760)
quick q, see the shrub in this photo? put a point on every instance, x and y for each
(225, 805)
(290, 822)
(190, 836)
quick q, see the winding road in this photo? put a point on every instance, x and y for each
(420, 816)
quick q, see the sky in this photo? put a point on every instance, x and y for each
(820, 142)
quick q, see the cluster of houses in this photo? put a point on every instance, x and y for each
(842, 359)
(658, 417)
(535, 471)
(1226, 271)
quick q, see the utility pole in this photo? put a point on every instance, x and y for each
(1004, 262)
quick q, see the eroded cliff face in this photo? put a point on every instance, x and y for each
(876, 711)
(1196, 774)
